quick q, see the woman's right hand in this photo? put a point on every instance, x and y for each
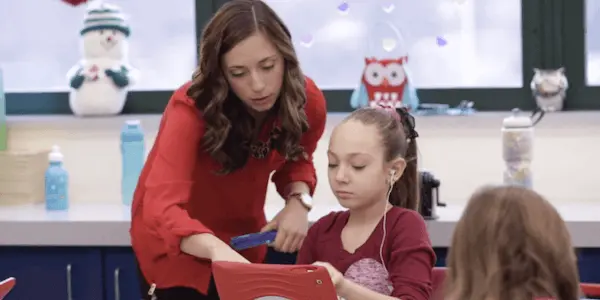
(226, 253)
(208, 246)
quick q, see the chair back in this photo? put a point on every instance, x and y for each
(590, 290)
(6, 286)
(236, 281)
(438, 280)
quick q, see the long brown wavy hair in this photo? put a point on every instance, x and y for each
(228, 123)
(511, 244)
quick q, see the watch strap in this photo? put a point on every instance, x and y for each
(301, 197)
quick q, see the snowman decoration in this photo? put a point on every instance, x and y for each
(100, 81)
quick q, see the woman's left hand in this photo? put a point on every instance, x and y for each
(291, 224)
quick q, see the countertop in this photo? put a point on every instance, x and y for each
(108, 224)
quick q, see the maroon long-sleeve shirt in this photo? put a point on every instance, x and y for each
(179, 195)
(407, 254)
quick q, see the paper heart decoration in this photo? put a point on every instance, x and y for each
(343, 8)
(441, 41)
(75, 2)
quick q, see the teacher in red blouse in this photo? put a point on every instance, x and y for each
(247, 112)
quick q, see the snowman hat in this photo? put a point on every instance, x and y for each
(105, 17)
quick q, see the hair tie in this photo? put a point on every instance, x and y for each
(404, 117)
(408, 121)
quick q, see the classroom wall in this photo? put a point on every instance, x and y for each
(463, 152)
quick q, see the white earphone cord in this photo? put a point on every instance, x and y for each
(387, 199)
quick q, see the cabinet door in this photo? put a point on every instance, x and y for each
(121, 274)
(53, 273)
(440, 255)
(588, 261)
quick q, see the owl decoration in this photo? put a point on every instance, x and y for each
(549, 88)
(385, 82)
(75, 2)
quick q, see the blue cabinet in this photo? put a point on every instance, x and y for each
(440, 255)
(120, 275)
(53, 273)
(71, 273)
(61, 273)
(588, 261)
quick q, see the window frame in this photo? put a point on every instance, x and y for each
(486, 99)
(138, 102)
(571, 43)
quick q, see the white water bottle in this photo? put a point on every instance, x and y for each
(517, 148)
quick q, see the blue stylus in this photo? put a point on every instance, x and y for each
(252, 240)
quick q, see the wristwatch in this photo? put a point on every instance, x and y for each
(304, 198)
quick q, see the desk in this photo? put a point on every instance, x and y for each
(108, 224)
(90, 245)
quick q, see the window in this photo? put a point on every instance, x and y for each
(450, 43)
(40, 43)
(592, 42)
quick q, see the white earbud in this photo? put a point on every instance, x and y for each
(392, 176)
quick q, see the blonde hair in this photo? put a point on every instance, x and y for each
(511, 244)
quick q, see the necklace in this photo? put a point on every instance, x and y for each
(261, 149)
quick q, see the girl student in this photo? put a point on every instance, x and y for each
(511, 244)
(379, 248)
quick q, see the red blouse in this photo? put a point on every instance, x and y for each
(408, 258)
(178, 194)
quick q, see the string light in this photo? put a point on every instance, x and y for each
(388, 7)
(388, 44)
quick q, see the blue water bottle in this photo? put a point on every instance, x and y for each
(56, 182)
(133, 153)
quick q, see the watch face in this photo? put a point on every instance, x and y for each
(306, 199)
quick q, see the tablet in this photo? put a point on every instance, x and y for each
(237, 281)
(252, 240)
(6, 286)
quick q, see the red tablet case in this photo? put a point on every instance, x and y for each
(237, 281)
(6, 286)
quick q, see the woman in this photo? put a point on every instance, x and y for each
(511, 244)
(248, 111)
(378, 248)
